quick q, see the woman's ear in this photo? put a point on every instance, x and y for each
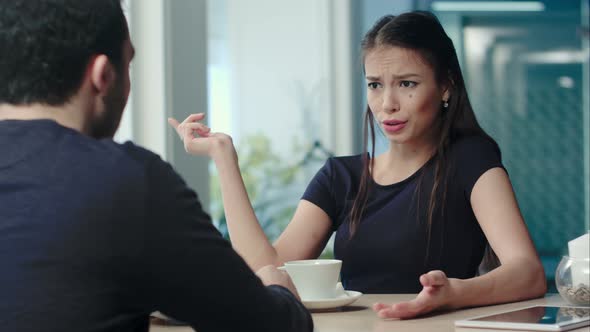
(446, 94)
(447, 89)
(102, 74)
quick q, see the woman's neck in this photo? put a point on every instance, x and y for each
(401, 161)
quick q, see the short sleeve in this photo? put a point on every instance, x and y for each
(473, 156)
(320, 190)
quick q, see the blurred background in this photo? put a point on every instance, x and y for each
(284, 79)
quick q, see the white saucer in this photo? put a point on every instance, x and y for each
(345, 299)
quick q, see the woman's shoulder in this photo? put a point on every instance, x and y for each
(472, 146)
(471, 141)
(355, 160)
(473, 155)
(343, 166)
(347, 164)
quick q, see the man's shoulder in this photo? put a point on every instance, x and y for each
(133, 152)
(111, 161)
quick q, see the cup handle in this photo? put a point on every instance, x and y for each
(340, 290)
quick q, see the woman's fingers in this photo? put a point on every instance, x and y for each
(190, 124)
(190, 128)
(433, 278)
(378, 306)
(392, 311)
(401, 310)
(198, 138)
(194, 117)
(408, 309)
(173, 122)
(176, 125)
(430, 298)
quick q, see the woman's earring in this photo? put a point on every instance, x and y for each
(445, 104)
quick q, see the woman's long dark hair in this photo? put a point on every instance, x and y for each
(421, 32)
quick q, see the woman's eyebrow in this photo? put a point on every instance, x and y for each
(397, 77)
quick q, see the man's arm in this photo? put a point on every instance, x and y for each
(195, 276)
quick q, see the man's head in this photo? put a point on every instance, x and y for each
(55, 51)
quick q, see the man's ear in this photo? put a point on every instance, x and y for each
(102, 74)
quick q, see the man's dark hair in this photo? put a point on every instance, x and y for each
(46, 45)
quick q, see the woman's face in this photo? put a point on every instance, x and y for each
(403, 94)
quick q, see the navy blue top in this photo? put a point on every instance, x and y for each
(390, 249)
(94, 236)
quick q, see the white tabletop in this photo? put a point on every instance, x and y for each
(359, 317)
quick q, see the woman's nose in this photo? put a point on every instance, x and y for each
(390, 101)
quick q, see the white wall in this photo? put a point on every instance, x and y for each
(289, 63)
(148, 91)
(125, 131)
(168, 78)
(288, 67)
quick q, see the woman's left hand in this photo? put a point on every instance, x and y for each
(435, 294)
(199, 140)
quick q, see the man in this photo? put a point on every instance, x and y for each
(94, 235)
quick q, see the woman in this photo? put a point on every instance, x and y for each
(416, 218)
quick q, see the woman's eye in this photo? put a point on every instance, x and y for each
(407, 84)
(373, 85)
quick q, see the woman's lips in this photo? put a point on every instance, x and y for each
(394, 126)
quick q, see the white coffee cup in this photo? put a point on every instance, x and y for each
(315, 278)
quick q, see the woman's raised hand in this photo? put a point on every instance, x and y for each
(198, 138)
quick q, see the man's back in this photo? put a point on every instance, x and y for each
(69, 206)
(94, 236)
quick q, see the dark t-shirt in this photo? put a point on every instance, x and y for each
(391, 247)
(94, 236)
